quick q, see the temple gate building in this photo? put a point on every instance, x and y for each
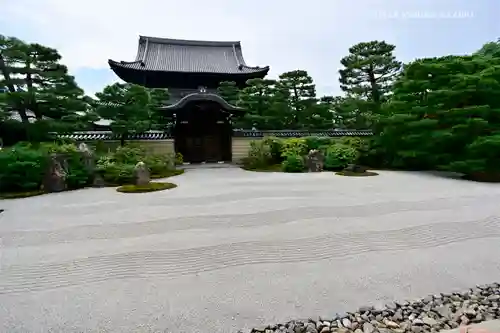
(191, 71)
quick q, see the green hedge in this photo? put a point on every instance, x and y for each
(23, 166)
(291, 153)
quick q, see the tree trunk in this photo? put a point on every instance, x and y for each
(5, 72)
(19, 107)
(374, 89)
(122, 139)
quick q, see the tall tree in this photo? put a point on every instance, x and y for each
(302, 97)
(368, 74)
(158, 99)
(350, 113)
(257, 98)
(490, 49)
(36, 82)
(445, 113)
(128, 106)
(229, 91)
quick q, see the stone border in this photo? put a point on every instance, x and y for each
(433, 313)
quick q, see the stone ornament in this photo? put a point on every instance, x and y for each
(55, 178)
(142, 176)
(315, 160)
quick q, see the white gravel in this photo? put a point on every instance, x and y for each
(230, 249)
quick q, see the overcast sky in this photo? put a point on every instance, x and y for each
(286, 35)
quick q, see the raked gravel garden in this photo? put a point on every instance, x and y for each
(230, 250)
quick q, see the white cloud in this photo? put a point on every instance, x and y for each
(286, 35)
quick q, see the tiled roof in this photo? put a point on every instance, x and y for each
(108, 135)
(159, 135)
(300, 133)
(189, 56)
(203, 97)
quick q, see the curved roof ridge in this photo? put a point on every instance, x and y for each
(188, 42)
(196, 96)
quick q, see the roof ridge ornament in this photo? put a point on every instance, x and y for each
(145, 52)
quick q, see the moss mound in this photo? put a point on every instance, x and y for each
(356, 174)
(151, 187)
(18, 195)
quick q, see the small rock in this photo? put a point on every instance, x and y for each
(417, 329)
(311, 328)
(391, 306)
(470, 313)
(391, 324)
(418, 322)
(368, 328)
(365, 309)
(346, 323)
(398, 316)
(464, 320)
(429, 321)
(444, 311)
(325, 329)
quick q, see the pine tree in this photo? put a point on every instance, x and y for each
(368, 74)
(302, 97)
(229, 91)
(257, 99)
(37, 85)
(128, 106)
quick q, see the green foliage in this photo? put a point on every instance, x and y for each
(490, 49)
(115, 173)
(338, 156)
(293, 163)
(117, 168)
(229, 91)
(444, 113)
(39, 87)
(302, 99)
(21, 169)
(264, 105)
(275, 147)
(367, 77)
(259, 155)
(294, 146)
(130, 154)
(151, 187)
(317, 142)
(179, 159)
(131, 108)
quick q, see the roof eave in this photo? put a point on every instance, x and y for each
(123, 64)
(201, 97)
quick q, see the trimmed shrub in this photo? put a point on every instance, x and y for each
(293, 163)
(275, 147)
(21, 169)
(338, 156)
(316, 142)
(294, 146)
(259, 155)
(116, 173)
